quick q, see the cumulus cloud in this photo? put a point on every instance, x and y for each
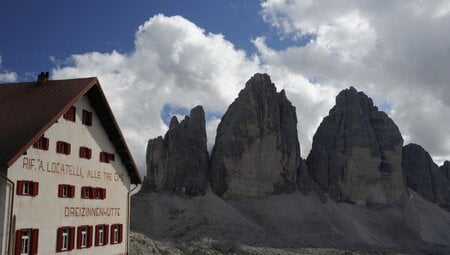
(396, 51)
(6, 76)
(175, 63)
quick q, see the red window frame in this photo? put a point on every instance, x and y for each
(89, 230)
(85, 152)
(107, 157)
(70, 114)
(105, 229)
(88, 192)
(86, 118)
(66, 190)
(59, 239)
(33, 240)
(27, 188)
(63, 147)
(119, 238)
(42, 143)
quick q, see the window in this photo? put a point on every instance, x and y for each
(27, 241)
(116, 233)
(101, 235)
(93, 192)
(85, 153)
(63, 147)
(87, 118)
(65, 240)
(41, 143)
(27, 188)
(84, 239)
(70, 114)
(66, 190)
(107, 157)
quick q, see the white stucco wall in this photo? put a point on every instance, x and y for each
(47, 211)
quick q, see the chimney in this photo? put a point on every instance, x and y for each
(42, 78)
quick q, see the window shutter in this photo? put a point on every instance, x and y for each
(79, 237)
(35, 188)
(46, 143)
(89, 153)
(103, 193)
(72, 238)
(34, 241)
(68, 148)
(18, 241)
(120, 233)
(83, 192)
(93, 192)
(112, 233)
(59, 239)
(90, 232)
(60, 190)
(106, 238)
(97, 234)
(19, 187)
(72, 191)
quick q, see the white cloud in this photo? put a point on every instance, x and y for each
(6, 76)
(396, 51)
(174, 62)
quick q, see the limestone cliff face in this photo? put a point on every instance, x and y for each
(179, 161)
(445, 168)
(357, 151)
(424, 176)
(256, 152)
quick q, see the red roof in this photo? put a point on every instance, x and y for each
(28, 109)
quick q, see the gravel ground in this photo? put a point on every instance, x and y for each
(285, 224)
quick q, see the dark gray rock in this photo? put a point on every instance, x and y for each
(424, 177)
(356, 152)
(256, 152)
(445, 168)
(179, 161)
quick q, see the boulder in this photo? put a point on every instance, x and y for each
(179, 161)
(357, 151)
(424, 177)
(256, 152)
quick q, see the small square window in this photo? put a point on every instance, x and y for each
(63, 147)
(27, 188)
(70, 114)
(65, 190)
(42, 143)
(87, 118)
(85, 153)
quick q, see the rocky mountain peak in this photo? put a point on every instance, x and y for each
(424, 176)
(179, 162)
(256, 152)
(356, 152)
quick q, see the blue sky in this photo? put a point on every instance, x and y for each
(39, 34)
(157, 58)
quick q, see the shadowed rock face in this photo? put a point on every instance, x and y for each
(424, 176)
(357, 151)
(179, 162)
(445, 168)
(256, 152)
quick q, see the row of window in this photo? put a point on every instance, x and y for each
(30, 188)
(27, 239)
(86, 117)
(65, 148)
